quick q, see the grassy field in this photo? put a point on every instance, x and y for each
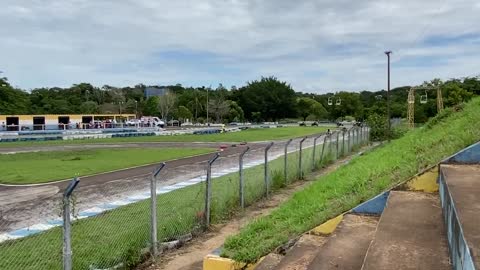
(363, 178)
(119, 235)
(250, 135)
(39, 167)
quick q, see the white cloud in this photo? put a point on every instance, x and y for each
(315, 45)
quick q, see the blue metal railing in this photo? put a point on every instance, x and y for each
(458, 248)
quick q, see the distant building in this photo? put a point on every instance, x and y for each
(58, 121)
(155, 91)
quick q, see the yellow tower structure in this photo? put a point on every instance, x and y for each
(411, 108)
(439, 99)
(411, 101)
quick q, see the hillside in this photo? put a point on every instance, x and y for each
(363, 178)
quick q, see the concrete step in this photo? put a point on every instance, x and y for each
(410, 234)
(302, 253)
(463, 182)
(347, 246)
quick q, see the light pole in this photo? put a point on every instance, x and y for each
(208, 124)
(388, 95)
(120, 106)
(136, 109)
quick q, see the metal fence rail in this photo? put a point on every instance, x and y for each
(460, 255)
(118, 223)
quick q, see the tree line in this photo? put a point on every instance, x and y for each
(266, 99)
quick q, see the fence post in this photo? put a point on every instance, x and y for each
(285, 171)
(267, 187)
(67, 225)
(208, 192)
(315, 150)
(240, 171)
(343, 142)
(348, 140)
(361, 135)
(368, 135)
(153, 209)
(336, 144)
(323, 146)
(300, 159)
(358, 136)
(364, 132)
(354, 138)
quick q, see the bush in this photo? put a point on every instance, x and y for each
(441, 116)
(378, 127)
(400, 129)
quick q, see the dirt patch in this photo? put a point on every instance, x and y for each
(191, 255)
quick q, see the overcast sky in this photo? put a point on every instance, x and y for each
(315, 45)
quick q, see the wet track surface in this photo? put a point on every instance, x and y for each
(24, 206)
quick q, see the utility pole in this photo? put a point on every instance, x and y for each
(136, 109)
(208, 123)
(388, 95)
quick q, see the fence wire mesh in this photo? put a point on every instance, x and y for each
(180, 201)
(225, 187)
(293, 155)
(20, 218)
(112, 216)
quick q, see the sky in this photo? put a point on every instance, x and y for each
(315, 45)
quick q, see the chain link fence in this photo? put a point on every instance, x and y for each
(117, 224)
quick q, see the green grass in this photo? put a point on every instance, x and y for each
(250, 135)
(363, 178)
(114, 237)
(119, 235)
(39, 167)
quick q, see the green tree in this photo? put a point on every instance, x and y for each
(472, 85)
(308, 106)
(257, 117)
(378, 126)
(346, 103)
(89, 107)
(235, 113)
(151, 107)
(183, 113)
(455, 94)
(319, 111)
(132, 106)
(274, 99)
(304, 107)
(219, 108)
(166, 104)
(12, 101)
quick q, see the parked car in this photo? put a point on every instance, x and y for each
(132, 122)
(315, 124)
(174, 123)
(152, 121)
